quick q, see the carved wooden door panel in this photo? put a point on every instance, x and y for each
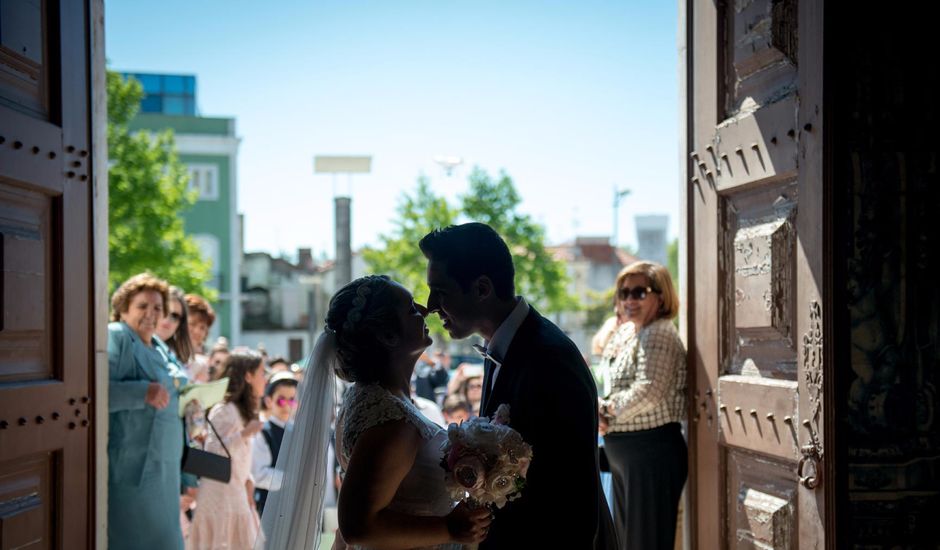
(45, 275)
(755, 210)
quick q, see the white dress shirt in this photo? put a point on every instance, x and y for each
(262, 467)
(499, 345)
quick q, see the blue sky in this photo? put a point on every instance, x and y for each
(569, 97)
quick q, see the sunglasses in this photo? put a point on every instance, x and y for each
(283, 401)
(637, 292)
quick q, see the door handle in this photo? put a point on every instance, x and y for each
(810, 455)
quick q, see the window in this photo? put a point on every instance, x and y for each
(152, 104)
(173, 84)
(173, 105)
(150, 82)
(204, 179)
(209, 247)
(295, 348)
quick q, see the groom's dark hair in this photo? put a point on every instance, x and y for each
(470, 250)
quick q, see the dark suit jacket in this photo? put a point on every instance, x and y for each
(553, 404)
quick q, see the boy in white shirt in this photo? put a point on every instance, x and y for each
(280, 402)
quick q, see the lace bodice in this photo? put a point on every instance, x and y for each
(367, 406)
(421, 491)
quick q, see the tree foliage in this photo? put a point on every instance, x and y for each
(672, 255)
(147, 195)
(399, 256)
(539, 277)
(600, 307)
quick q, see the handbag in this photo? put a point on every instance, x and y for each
(203, 463)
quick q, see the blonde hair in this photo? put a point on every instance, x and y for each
(121, 299)
(659, 280)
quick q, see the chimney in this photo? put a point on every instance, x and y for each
(343, 272)
(305, 258)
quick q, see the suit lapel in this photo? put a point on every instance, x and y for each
(511, 365)
(488, 368)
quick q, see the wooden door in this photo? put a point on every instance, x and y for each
(46, 276)
(758, 307)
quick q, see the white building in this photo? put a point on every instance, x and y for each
(278, 296)
(592, 264)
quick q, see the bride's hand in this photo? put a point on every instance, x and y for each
(468, 525)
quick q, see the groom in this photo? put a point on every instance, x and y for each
(539, 372)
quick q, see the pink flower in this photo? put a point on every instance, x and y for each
(469, 472)
(501, 418)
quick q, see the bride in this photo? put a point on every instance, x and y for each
(393, 490)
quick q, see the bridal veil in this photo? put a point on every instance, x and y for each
(293, 514)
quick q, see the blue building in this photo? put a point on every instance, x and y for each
(167, 94)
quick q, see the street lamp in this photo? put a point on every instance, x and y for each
(448, 163)
(618, 196)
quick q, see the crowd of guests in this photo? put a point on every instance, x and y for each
(157, 347)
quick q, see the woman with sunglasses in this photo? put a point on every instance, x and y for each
(173, 329)
(173, 333)
(280, 402)
(643, 407)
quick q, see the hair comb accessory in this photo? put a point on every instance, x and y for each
(359, 303)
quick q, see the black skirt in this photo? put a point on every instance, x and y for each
(649, 469)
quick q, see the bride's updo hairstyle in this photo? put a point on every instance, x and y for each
(358, 313)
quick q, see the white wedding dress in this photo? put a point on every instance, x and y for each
(421, 492)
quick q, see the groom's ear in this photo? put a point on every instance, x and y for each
(484, 287)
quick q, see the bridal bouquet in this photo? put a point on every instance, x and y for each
(485, 461)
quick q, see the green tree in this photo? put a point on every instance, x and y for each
(672, 261)
(399, 255)
(147, 194)
(599, 308)
(539, 277)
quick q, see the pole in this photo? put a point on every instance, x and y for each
(613, 240)
(312, 316)
(343, 272)
(618, 195)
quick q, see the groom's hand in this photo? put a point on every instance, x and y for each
(468, 525)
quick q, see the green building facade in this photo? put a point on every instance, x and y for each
(209, 148)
